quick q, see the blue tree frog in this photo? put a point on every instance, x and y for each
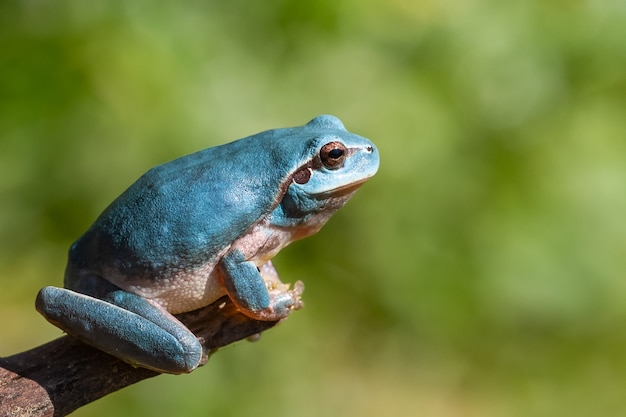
(200, 227)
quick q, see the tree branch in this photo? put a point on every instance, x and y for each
(54, 379)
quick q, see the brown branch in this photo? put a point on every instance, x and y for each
(55, 379)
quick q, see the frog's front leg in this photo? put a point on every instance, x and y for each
(122, 324)
(258, 293)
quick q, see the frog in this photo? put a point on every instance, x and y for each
(200, 227)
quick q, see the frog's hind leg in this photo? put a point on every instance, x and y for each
(124, 325)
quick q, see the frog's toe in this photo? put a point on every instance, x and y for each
(296, 294)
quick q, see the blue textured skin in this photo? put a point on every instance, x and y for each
(200, 203)
(190, 214)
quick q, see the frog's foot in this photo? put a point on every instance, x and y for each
(281, 297)
(259, 293)
(124, 325)
(282, 301)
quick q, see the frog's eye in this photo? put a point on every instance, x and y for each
(333, 155)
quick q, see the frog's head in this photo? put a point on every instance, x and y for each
(334, 165)
(338, 161)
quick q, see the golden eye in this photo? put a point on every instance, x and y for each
(333, 155)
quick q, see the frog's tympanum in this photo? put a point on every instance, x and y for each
(200, 227)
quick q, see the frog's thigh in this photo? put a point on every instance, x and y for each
(132, 329)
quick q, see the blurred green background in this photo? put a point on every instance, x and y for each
(480, 273)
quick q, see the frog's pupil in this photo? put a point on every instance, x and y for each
(335, 153)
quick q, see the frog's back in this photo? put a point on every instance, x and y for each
(183, 214)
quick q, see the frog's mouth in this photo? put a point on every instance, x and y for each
(344, 190)
(350, 187)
